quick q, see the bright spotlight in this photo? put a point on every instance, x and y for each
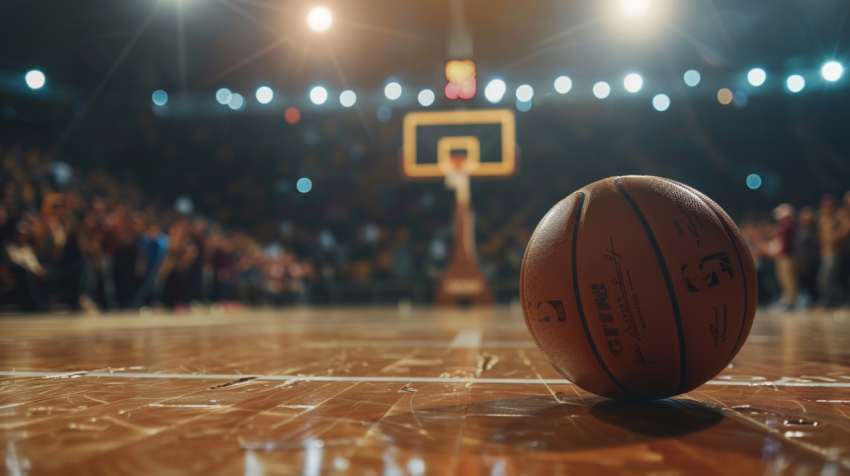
(524, 93)
(35, 79)
(265, 95)
(832, 71)
(634, 8)
(320, 19)
(692, 77)
(601, 90)
(347, 98)
(223, 96)
(633, 83)
(392, 91)
(318, 95)
(304, 185)
(159, 97)
(661, 102)
(495, 90)
(753, 181)
(756, 76)
(563, 85)
(795, 83)
(426, 97)
(236, 101)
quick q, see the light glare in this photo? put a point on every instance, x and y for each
(304, 185)
(392, 91)
(495, 90)
(265, 95)
(524, 93)
(320, 19)
(756, 76)
(692, 77)
(724, 96)
(601, 90)
(661, 102)
(426, 97)
(563, 85)
(753, 181)
(223, 96)
(35, 79)
(832, 71)
(795, 83)
(634, 8)
(318, 95)
(159, 97)
(236, 101)
(347, 98)
(633, 83)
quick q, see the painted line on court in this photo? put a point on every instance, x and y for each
(466, 340)
(784, 382)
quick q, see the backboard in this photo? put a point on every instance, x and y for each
(483, 142)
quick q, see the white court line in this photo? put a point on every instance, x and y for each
(402, 379)
(466, 340)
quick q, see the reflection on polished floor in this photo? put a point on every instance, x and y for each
(376, 391)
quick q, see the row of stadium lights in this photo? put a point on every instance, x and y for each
(494, 92)
(496, 89)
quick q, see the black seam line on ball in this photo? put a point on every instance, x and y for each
(577, 292)
(743, 276)
(664, 271)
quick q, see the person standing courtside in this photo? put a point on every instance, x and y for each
(782, 249)
(807, 253)
(831, 230)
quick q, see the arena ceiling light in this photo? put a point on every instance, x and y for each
(601, 90)
(347, 98)
(692, 77)
(756, 76)
(392, 91)
(753, 181)
(236, 101)
(795, 83)
(426, 97)
(265, 95)
(35, 79)
(563, 84)
(832, 71)
(223, 96)
(633, 83)
(524, 93)
(495, 90)
(304, 185)
(661, 102)
(318, 95)
(159, 97)
(319, 19)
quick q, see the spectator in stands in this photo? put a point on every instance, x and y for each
(782, 250)
(128, 261)
(154, 244)
(807, 253)
(20, 260)
(831, 230)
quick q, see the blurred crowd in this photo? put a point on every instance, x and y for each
(64, 244)
(803, 256)
(90, 241)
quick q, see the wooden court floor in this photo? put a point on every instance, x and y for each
(379, 392)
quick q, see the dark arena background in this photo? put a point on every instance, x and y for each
(286, 237)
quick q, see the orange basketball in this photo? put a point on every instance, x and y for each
(638, 288)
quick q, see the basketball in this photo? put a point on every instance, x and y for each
(638, 287)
